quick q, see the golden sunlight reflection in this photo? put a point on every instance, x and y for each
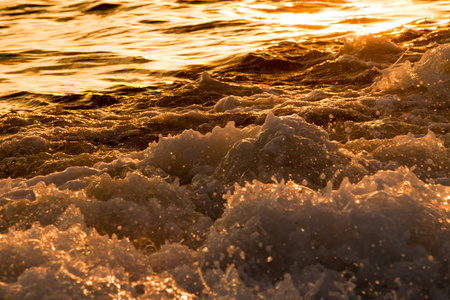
(151, 41)
(359, 17)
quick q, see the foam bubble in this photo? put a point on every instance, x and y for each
(431, 72)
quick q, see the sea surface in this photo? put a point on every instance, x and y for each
(204, 149)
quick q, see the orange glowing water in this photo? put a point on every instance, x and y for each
(74, 46)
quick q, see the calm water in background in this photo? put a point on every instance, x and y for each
(201, 149)
(73, 46)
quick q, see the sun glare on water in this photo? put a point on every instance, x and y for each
(294, 19)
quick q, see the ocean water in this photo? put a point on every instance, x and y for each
(205, 149)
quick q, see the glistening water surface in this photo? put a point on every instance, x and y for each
(75, 46)
(201, 149)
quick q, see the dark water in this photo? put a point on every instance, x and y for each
(224, 150)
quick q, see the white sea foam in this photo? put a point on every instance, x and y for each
(191, 152)
(391, 222)
(432, 72)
